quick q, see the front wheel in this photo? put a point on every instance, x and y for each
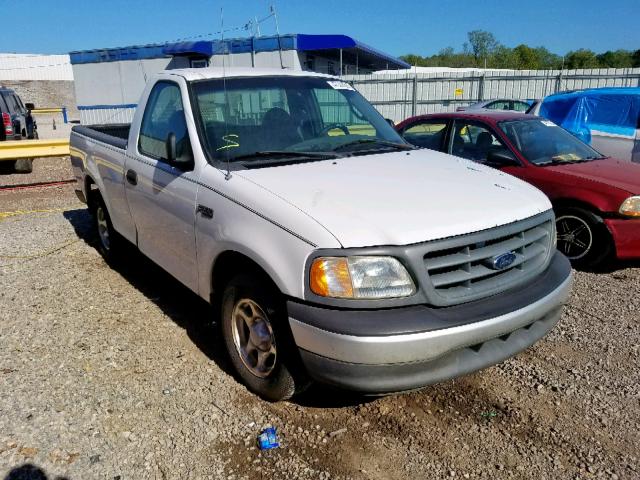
(582, 237)
(257, 338)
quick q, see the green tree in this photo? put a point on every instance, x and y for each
(616, 59)
(526, 58)
(581, 58)
(548, 60)
(503, 57)
(482, 45)
(636, 58)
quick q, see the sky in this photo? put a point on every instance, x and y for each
(397, 27)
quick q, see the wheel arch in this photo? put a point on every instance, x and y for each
(230, 262)
(560, 203)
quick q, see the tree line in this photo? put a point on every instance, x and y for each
(483, 51)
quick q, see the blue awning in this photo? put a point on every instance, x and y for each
(378, 60)
(202, 47)
(329, 45)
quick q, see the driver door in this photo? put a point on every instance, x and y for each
(161, 194)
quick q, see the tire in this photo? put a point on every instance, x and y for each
(109, 241)
(271, 368)
(582, 237)
(23, 165)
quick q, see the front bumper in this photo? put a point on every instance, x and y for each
(626, 236)
(382, 351)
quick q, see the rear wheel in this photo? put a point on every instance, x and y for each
(582, 237)
(109, 241)
(23, 165)
(258, 340)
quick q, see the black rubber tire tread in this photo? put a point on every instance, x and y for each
(114, 253)
(602, 248)
(288, 377)
(24, 165)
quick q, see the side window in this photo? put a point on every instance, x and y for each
(11, 103)
(499, 105)
(164, 114)
(426, 134)
(19, 103)
(520, 106)
(473, 141)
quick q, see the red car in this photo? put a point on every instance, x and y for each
(596, 198)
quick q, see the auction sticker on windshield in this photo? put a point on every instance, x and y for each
(338, 85)
(548, 123)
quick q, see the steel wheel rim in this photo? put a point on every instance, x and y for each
(253, 337)
(575, 237)
(103, 228)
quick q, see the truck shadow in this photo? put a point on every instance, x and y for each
(190, 312)
(28, 471)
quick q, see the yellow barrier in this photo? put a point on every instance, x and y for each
(12, 150)
(46, 110)
(62, 110)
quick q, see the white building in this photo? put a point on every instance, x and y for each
(17, 66)
(109, 82)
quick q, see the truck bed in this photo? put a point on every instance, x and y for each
(116, 135)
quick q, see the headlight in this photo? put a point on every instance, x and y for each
(360, 278)
(631, 207)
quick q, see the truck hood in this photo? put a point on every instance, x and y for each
(609, 171)
(402, 197)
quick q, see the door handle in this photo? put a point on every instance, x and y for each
(132, 177)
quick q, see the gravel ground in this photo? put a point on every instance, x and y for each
(53, 169)
(119, 374)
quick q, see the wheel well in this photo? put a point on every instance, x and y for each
(230, 263)
(573, 203)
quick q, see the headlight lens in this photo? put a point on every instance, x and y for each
(360, 278)
(631, 207)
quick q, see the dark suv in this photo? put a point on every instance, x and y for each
(16, 123)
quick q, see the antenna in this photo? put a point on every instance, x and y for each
(224, 87)
(275, 17)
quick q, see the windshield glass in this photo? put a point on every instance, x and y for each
(542, 142)
(278, 116)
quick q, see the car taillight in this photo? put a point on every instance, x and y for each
(8, 126)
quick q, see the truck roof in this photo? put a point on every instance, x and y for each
(191, 74)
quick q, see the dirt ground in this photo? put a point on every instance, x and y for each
(120, 374)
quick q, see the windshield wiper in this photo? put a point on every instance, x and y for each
(275, 158)
(570, 162)
(284, 154)
(384, 143)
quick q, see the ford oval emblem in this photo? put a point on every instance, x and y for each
(502, 261)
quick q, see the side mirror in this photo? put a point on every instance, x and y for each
(501, 158)
(171, 148)
(29, 106)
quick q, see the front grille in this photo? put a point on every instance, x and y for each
(459, 269)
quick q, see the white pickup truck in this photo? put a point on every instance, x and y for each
(333, 250)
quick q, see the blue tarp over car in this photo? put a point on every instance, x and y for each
(611, 110)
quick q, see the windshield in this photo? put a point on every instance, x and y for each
(249, 120)
(542, 142)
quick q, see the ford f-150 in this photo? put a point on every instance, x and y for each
(332, 249)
